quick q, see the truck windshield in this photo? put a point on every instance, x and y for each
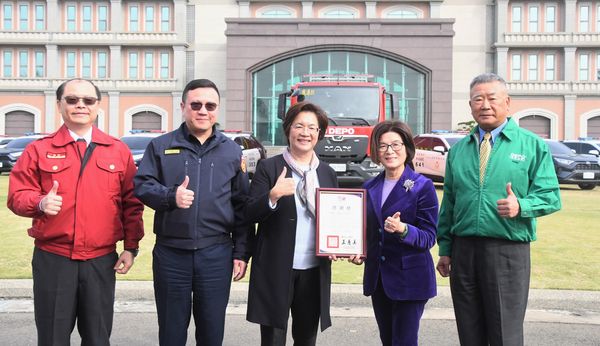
(345, 105)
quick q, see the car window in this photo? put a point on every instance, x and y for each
(20, 143)
(558, 148)
(423, 143)
(585, 148)
(437, 142)
(137, 143)
(572, 146)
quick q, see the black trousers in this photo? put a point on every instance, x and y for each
(489, 281)
(196, 281)
(304, 300)
(65, 291)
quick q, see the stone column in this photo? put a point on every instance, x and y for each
(501, 62)
(371, 9)
(52, 62)
(435, 9)
(114, 118)
(180, 19)
(570, 17)
(116, 70)
(177, 118)
(50, 105)
(307, 9)
(501, 19)
(570, 67)
(569, 120)
(179, 64)
(244, 9)
(52, 13)
(116, 17)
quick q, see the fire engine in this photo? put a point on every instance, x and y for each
(353, 106)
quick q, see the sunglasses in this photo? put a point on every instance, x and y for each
(210, 106)
(87, 100)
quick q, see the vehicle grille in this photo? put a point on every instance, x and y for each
(590, 167)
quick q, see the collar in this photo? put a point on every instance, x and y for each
(62, 137)
(495, 132)
(87, 136)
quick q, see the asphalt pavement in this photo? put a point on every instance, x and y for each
(554, 317)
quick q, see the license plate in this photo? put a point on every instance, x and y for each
(588, 175)
(338, 167)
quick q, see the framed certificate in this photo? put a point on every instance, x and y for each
(341, 222)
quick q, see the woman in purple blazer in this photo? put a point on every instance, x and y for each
(402, 213)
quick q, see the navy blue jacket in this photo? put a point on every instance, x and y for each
(219, 184)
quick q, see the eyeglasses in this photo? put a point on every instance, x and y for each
(396, 146)
(311, 129)
(210, 106)
(87, 100)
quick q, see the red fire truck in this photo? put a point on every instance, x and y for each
(353, 105)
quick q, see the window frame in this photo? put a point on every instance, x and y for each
(516, 67)
(8, 64)
(23, 65)
(100, 66)
(550, 25)
(149, 20)
(516, 22)
(40, 64)
(8, 16)
(70, 21)
(165, 67)
(40, 20)
(100, 21)
(533, 24)
(355, 14)
(86, 69)
(261, 12)
(23, 22)
(69, 67)
(580, 20)
(131, 68)
(149, 67)
(164, 21)
(532, 67)
(549, 68)
(130, 22)
(583, 67)
(89, 22)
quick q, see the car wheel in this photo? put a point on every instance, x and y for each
(586, 186)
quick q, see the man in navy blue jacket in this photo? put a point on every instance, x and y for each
(194, 179)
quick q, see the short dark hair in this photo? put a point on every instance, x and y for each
(487, 78)
(393, 126)
(300, 107)
(61, 88)
(199, 83)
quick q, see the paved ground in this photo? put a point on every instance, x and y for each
(554, 317)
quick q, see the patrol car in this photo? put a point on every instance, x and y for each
(252, 150)
(432, 152)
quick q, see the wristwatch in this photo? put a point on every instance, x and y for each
(133, 251)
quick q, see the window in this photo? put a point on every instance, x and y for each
(275, 12)
(86, 64)
(584, 18)
(584, 67)
(70, 64)
(339, 12)
(516, 19)
(516, 67)
(71, 15)
(149, 65)
(7, 63)
(402, 14)
(40, 61)
(165, 19)
(40, 17)
(23, 63)
(87, 18)
(532, 67)
(149, 26)
(533, 19)
(164, 65)
(101, 65)
(23, 17)
(598, 18)
(133, 65)
(550, 19)
(549, 67)
(102, 18)
(133, 18)
(7, 22)
(598, 66)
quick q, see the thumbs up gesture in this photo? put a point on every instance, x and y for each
(184, 197)
(52, 202)
(508, 207)
(283, 187)
(393, 224)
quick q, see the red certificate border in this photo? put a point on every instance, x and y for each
(363, 194)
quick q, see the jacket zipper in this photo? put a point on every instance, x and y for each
(196, 201)
(210, 185)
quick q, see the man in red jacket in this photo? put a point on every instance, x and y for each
(77, 185)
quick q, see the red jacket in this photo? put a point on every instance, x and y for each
(99, 207)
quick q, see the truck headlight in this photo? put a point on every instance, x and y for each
(565, 162)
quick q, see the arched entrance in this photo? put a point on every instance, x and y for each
(537, 124)
(146, 120)
(17, 123)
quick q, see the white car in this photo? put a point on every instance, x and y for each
(432, 152)
(252, 150)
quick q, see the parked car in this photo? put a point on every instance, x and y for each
(13, 150)
(432, 152)
(4, 140)
(137, 142)
(580, 169)
(589, 146)
(252, 150)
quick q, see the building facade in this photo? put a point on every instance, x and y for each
(142, 53)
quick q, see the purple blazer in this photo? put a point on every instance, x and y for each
(404, 265)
